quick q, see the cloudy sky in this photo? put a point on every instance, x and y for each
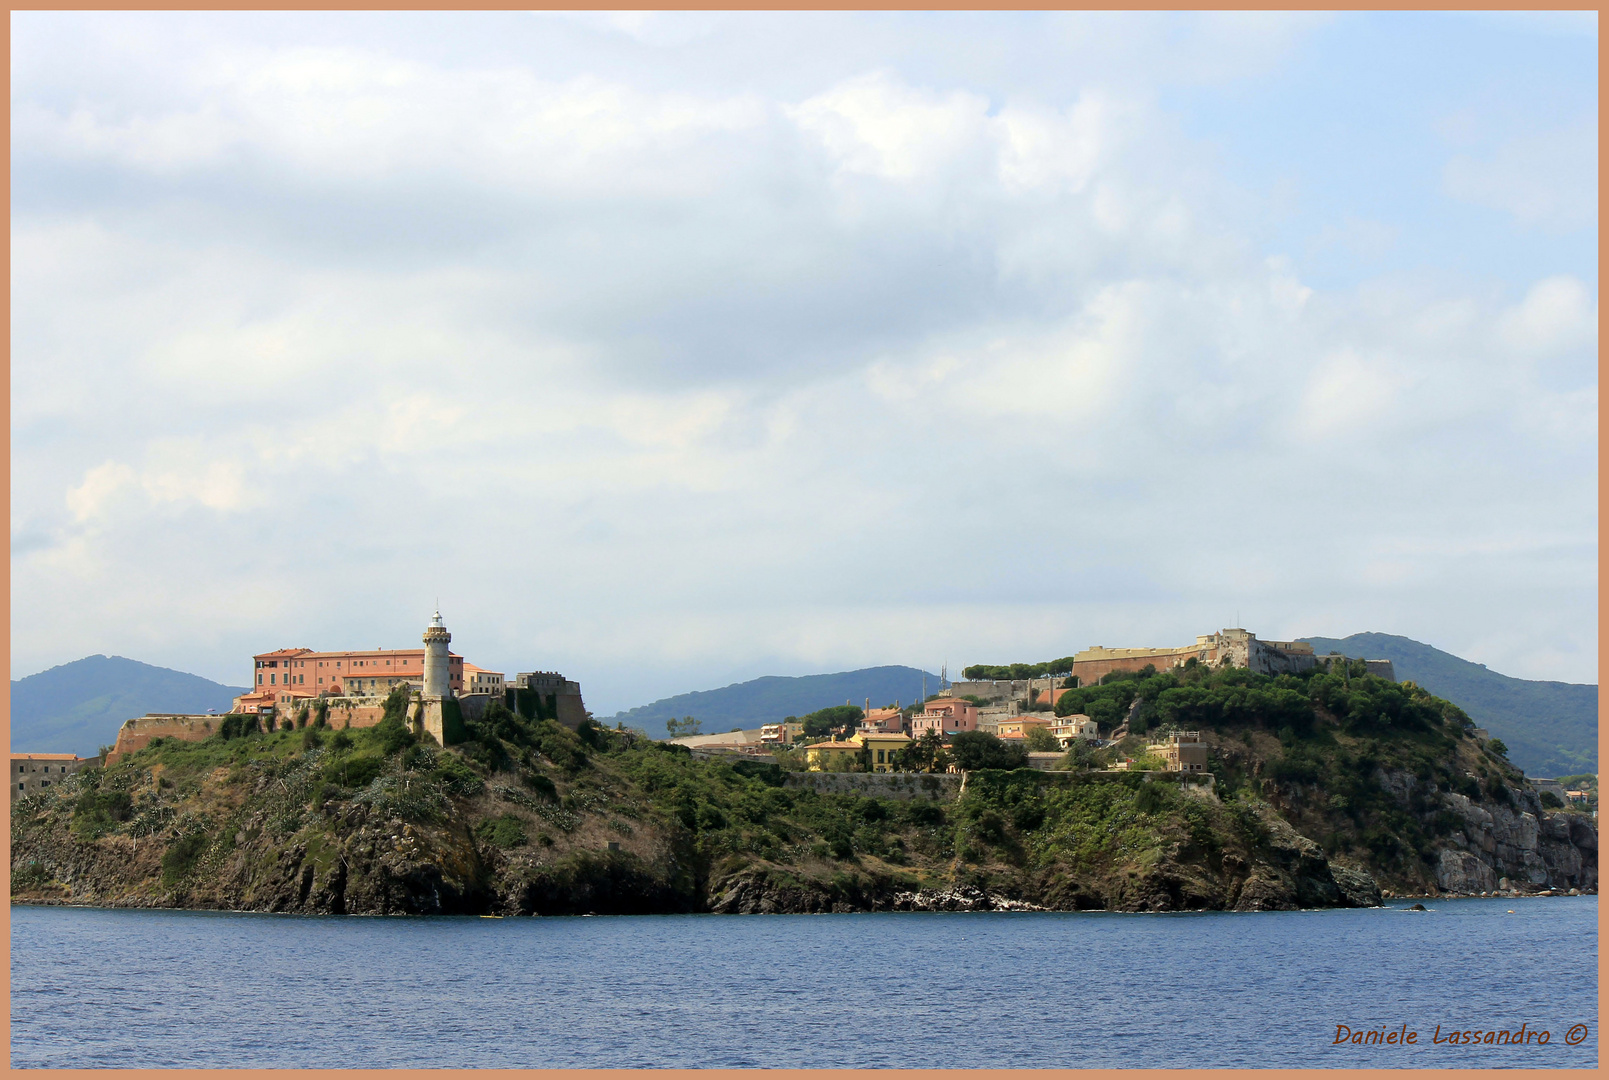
(668, 351)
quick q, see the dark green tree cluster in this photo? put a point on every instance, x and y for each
(1062, 666)
(981, 750)
(924, 754)
(824, 722)
(1196, 696)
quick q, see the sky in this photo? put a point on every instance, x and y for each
(669, 351)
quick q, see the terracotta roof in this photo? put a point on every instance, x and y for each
(45, 757)
(834, 746)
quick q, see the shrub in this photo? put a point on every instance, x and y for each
(541, 785)
(181, 856)
(311, 739)
(391, 732)
(353, 771)
(1151, 798)
(1552, 801)
(457, 777)
(236, 725)
(341, 741)
(98, 811)
(505, 831)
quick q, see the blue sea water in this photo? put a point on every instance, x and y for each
(170, 989)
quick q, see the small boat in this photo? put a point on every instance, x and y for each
(491, 916)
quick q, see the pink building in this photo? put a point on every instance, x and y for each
(945, 715)
(287, 674)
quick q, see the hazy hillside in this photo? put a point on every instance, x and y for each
(767, 700)
(1550, 728)
(77, 708)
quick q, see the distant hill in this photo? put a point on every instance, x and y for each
(1550, 728)
(769, 699)
(77, 708)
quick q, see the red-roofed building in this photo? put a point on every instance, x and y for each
(286, 675)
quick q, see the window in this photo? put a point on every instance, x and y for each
(259, 678)
(270, 679)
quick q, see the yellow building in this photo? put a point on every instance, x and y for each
(1018, 727)
(824, 756)
(883, 745)
(1183, 751)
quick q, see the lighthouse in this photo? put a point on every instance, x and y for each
(438, 680)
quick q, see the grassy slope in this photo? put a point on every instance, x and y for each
(1551, 728)
(769, 699)
(77, 708)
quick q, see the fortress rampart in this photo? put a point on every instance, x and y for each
(136, 734)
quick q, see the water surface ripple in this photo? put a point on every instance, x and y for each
(171, 989)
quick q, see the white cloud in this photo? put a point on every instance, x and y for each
(1547, 180)
(1558, 314)
(653, 372)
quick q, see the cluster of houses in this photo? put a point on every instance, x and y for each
(882, 733)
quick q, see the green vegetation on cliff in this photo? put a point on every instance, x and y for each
(1550, 727)
(527, 816)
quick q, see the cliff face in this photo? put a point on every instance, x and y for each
(1518, 845)
(531, 818)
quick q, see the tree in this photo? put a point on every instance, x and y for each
(823, 721)
(685, 726)
(980, 750)
(1498, 747)
(1040, 740)
(924, 754)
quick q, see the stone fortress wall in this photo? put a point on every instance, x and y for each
(1235, 646)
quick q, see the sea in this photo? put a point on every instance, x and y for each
(94, 988)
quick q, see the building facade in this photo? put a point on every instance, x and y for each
(1182, 751)
(286, 676)
(1069, 729)
(881, 747)
(945, 716)
(37, 772)
(782, 734)
(480, 681)
(824, 756)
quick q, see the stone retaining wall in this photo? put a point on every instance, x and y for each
(878, 785)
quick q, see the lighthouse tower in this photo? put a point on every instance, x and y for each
(438, 682)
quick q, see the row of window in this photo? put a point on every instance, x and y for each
(455, 661)
(24, 768)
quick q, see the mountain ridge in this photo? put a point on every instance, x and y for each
(77, 707)
(769, 698)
